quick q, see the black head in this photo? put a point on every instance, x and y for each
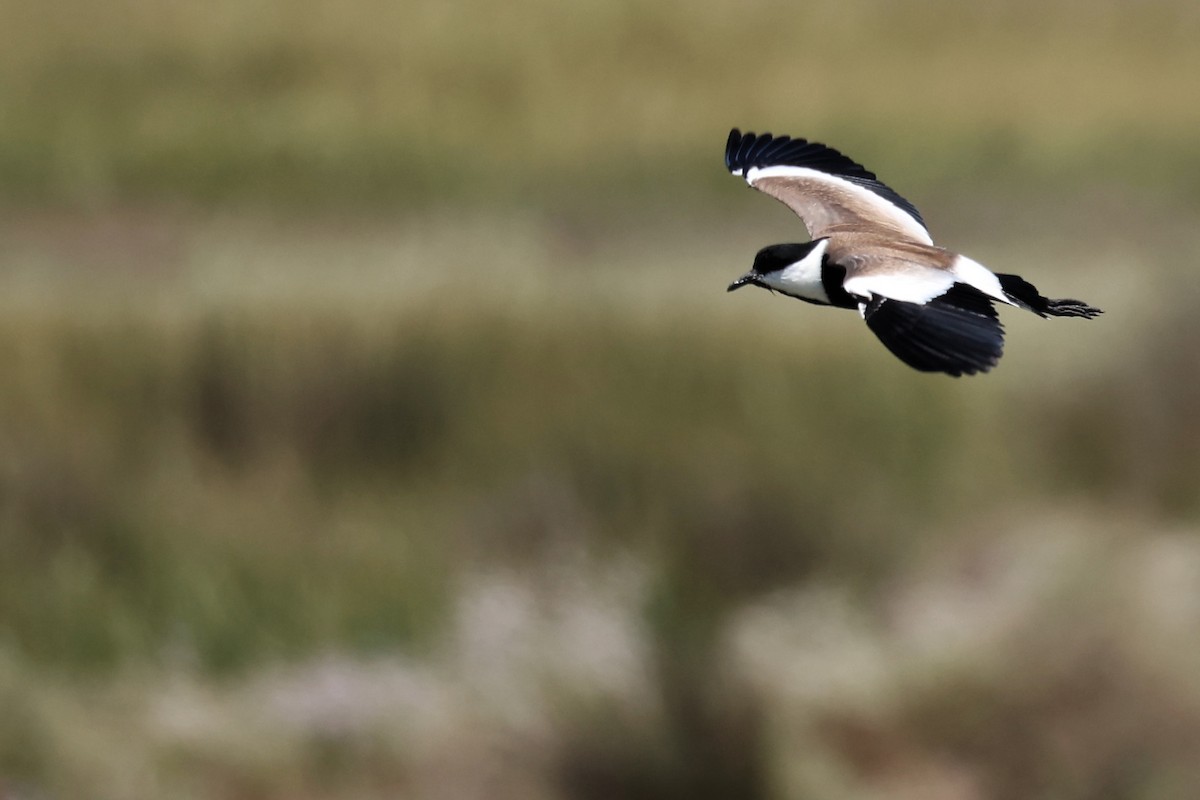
(772, 259)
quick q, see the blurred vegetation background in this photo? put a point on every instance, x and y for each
(374, 421)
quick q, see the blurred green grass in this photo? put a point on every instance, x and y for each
(375, 423)
(207, 475)
(312, 103)
(162, 455)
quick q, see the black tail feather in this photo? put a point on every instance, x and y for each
(1071, 308)
(1026, 295)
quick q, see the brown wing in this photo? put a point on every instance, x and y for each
(830, 191)
(829, 204)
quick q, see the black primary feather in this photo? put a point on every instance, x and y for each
(958, 333)
(746, 150)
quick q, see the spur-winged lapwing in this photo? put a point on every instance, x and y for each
(870, 250)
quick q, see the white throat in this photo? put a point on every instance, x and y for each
(802, 278)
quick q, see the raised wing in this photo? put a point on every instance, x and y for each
(828, 191)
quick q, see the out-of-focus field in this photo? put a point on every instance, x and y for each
(374, 422)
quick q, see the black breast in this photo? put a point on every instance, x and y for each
(832, 279)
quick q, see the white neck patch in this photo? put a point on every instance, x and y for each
(802, 278)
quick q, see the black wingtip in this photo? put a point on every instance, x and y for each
(731, 147)
(749, 149)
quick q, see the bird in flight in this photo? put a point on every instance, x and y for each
(870, 250)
